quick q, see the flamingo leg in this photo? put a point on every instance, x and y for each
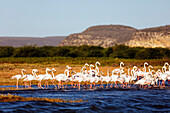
(101, 84)
(116, 84)
(40, 85)
(53, 83)
(30, 84)
(163, 83)
(111, 85)
(62, 84)
(79, 85)
(72, 84)
(47, 84)
(66, 85)
(90, 85)
(59, 84)
(17, 84)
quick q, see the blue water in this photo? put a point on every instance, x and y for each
(97, 100)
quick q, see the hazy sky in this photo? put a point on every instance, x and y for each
(63, 17)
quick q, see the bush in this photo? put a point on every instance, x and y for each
(6, 51)
(118, 51)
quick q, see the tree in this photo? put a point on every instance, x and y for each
(108, 51)
(6, 51)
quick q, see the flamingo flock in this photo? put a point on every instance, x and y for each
(90, 75)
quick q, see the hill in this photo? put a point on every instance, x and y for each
(109, 35)
(151, 37)
(104, 35)
(22, 41)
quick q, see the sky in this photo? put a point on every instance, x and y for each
(40, 18)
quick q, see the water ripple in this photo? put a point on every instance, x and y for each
(111, 100)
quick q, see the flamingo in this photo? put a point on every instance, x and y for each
(157, 74)
(52, 78)
(39, 78)
(114, 78)
(168, 72)
(79, 78)
(18, 77)
(134, 76)
(121, 78)
(127, 78)
(92, 79)
(106, 78)
(30, 77)
(97, 69)
(140, 73)
(148, 79)
(91, 71)
(163, 76)
(47, 76)
(120, 69)
(60, 77)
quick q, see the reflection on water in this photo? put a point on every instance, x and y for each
(99, 100)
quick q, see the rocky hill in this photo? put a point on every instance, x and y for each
(109, 35)
(23, 41)
(151, 37)
(105, 36)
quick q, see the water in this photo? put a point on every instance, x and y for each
(100, 100)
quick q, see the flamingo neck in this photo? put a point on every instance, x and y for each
(149, 69)
(66, 72)
(46, 71)
(81, 71)
(165, 70)
(52, 74)
(22, 72)
(128, 72)
(90, 68)
(132, 72)
(108, 73)
(34, 73)
(145, 67)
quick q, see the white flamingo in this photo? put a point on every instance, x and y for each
(39, 78)
(61, 77)
(91, 71)
(114, 78)
(79, 78)
(119, 69)
(47, 76)
(107, 78)
(18, 77)
(121, 78)
(127, 78)
(97, 68)
(163, 76)
(168, 72)
(30, 77)
(140, 73)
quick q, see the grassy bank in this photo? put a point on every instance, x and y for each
(78, 61)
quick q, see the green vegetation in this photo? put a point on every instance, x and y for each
(63, 61)
(118, 51)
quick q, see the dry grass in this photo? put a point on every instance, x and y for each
(13, 98)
